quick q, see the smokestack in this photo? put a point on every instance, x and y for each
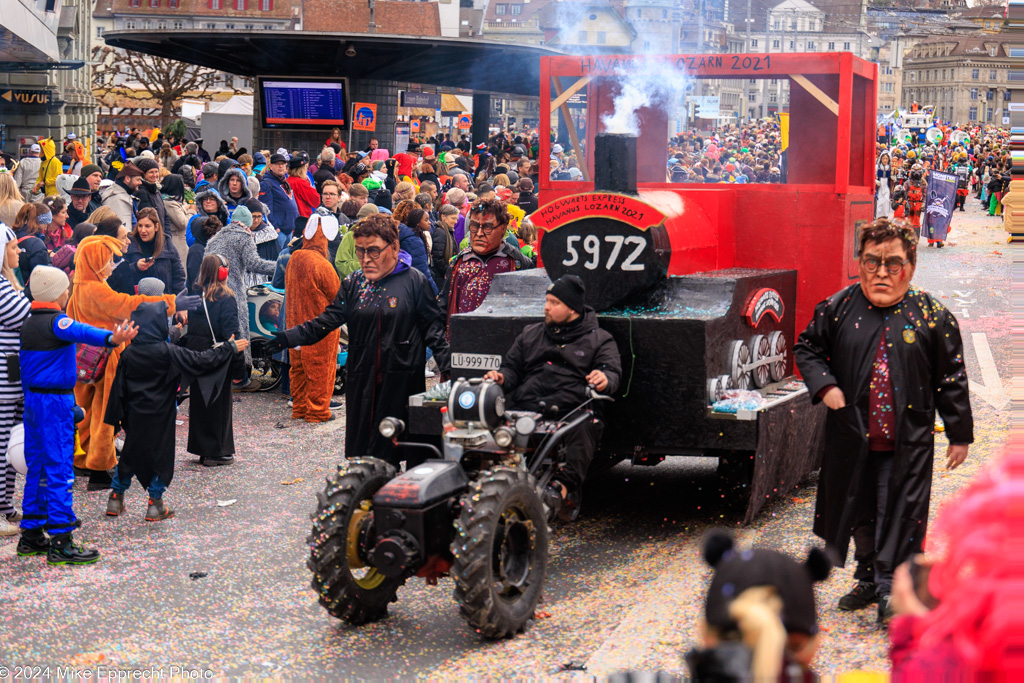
(615, 163)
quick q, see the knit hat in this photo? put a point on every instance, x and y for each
(151, 286)
(570, 291)
(242, 215)
(146, 165)
(737, 570)
(80, 188)
(367, 210)
(47, 283)
(254, 206)
(277, 158)
(89, 169)
(383, 200)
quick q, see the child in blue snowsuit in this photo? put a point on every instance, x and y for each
(48, 375)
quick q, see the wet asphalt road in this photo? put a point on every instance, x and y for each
(625, 586)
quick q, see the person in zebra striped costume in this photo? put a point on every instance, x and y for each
(14, 309)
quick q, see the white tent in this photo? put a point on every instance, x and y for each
(230, 119)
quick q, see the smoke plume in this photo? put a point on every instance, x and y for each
(652, 82)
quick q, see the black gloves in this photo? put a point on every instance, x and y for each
(278, 343)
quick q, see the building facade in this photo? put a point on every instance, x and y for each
(965, 78)
(45, 84)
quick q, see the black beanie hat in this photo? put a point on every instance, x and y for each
(146, 165)
(570, 291)
(254, 205)
(737, 570)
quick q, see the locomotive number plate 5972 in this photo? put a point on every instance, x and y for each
(476, 361)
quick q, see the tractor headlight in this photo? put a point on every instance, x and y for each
(503, 436)
(390, 427)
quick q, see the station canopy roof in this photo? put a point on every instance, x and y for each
(478, 65)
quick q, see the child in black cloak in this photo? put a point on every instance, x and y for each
(142, 401)
(760, 621)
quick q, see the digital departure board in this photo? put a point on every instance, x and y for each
(296, 103)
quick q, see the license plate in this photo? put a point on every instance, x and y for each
(476, 361)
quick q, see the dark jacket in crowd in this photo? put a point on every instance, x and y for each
(282, 207)
(323, 173)
(166, 266)
(442, 248)
(33, 253)
(550, 363)
(527, 202)
(149, 196)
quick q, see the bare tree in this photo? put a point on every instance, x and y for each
(162, 82)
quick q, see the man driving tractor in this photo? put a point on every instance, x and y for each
(549, 367)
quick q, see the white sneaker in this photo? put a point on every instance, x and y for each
(427, 372)
(15, 517)
(290, 403)
(8, 528)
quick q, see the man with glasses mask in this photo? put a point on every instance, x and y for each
(470, 274)
(883, 357)
(392, 318)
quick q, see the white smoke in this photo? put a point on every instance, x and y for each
(650, 82)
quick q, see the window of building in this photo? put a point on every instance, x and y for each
(516, 10)
(775, 44)
(664, 14)
(753, 81)
(810, 46)
(601, 37)
(989, 95)
(249, 27)
(988, 115)
(229, 26)
(211, 26)
(792, 25)
(772, 97)
(582, 37)
(992, 75)
(268, 27)
(776, 25)
(974, 74)
(792, 45)
(647, 45)
(173, 4)
(846, 45)
(178, 25)
(774, 81)
(266, 5)
(753, 42)
(145, 25)
(831, 46)
(943, 74)
(240, 5)
(1006, 96)
(162, 25)
(214, 4)
(136, 3)
(974, 93)
(752, 97)
(972, 114)
(992, 51)
(154, 3)
(812, 26)
(501, 9)
(130, 25)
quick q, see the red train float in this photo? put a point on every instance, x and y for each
(703, 286)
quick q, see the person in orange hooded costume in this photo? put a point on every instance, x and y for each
(94, 303)
(310, 284)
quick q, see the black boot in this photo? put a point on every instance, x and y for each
(552, 497)
(217, 462)
(157, 511)
(862, 595)
(100, 480)
(64, 551)
(33, 542)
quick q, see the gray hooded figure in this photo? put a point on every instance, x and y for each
(241, 195)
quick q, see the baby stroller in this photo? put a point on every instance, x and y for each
(266, 316)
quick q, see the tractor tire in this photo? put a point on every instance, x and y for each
(334, 540)
(500, 552)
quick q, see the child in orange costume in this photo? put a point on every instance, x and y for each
(310, 284)
(94, 303)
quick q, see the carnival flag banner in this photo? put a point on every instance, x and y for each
(939, 205)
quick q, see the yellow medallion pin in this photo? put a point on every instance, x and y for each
(909, 336)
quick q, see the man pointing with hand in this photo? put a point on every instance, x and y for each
(883, 357)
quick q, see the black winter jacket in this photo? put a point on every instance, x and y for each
(551, 364)
(149, 195)
(166, 267)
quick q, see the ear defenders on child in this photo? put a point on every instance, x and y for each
(222, 272)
